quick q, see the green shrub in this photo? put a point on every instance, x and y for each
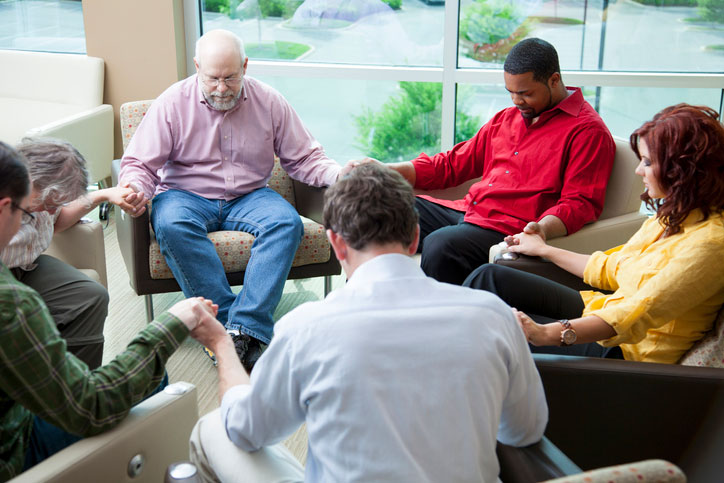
(409, 123)
(220, 6)
(489, 21)
(711, 10)
(394, 4)
(279, 8)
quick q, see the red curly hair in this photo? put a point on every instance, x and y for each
(686, 146)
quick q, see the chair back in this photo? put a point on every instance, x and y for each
(623, 192)
(709, 350)
(132, 114)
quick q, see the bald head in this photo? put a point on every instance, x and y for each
(219, 46)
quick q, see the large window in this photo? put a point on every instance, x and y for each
(391, 78)
(44, 25)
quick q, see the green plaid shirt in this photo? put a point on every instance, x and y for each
(39, 377)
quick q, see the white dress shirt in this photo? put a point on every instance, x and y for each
(30, 241)
(398, 377)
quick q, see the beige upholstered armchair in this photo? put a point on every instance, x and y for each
(154, 435)
(619, 219)
(82, 246)
(147, 268)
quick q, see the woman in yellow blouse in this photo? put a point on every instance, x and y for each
(661, 291)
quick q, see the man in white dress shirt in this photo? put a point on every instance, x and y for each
(397, 376)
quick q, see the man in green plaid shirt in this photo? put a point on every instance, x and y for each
(48, 397)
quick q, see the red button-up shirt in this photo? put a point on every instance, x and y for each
(559, 166)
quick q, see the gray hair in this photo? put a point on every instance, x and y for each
(220, 33)
(57, 170)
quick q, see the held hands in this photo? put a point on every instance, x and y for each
(531, 241)
(535, 333)
(195, 311)
(134, 199)
(352, 164)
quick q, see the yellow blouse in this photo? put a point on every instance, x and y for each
(667, 291)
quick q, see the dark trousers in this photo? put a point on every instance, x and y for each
(79, 305)
(543, 300)
(450, 247)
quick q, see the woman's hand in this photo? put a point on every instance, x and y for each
(527, 243)
(535, 333)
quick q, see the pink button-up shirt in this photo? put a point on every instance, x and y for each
(183, 143)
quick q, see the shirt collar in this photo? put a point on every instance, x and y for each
(385, 267)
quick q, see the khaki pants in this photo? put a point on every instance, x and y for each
(218, 459)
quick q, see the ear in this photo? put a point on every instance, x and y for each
(554, 80)
(243, 67)
(196, 64)
(5, 203)
(412, 249)
(338, 245)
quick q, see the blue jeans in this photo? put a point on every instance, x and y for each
(182, 220)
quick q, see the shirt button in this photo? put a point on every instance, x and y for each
(516, 153)
(475, 202)
(226, 158)
(491, 184)
(228, 179)
(507, 172)
(226, 137)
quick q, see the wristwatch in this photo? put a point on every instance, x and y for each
(568, 334)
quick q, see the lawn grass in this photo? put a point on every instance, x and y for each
(278, 50)
(557, 20)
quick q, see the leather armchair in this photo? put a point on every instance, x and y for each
(147, 269)
(605, 412)
(154, 434)
(59, 96)
(82, 246)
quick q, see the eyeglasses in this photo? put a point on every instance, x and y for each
(228, 81)
(27, 216)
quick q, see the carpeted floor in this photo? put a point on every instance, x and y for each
(127, 316)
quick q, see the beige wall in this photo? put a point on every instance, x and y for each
(142, 43)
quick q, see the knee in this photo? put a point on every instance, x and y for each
(483, 277)
(437, 246)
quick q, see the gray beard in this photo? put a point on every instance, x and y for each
(227, 103)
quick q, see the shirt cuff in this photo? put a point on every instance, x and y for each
(170, 328)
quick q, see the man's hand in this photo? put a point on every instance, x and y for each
(352, 164)
(135, 199)
(195, 311)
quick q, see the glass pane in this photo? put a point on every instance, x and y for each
(49, 25)
(623, 109)
(389, 121)
(381, 32)
(636, 35)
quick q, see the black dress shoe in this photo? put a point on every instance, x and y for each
(248, 349)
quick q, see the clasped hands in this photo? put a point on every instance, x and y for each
(199, 316)
(531, 241)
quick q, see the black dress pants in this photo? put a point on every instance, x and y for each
(542, 300)
(450, 247)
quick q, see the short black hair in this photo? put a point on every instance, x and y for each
(372, 205)
(14, 177)
(533, 55)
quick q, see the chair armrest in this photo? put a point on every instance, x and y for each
(90, 132)
(82, 246)
(537, 462)
(134, 238)
(651, 470)
(602, 234)
(309, 200)
(158, 429)
(544, 268)
(604, 412)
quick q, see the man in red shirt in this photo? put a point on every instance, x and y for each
(544, 164)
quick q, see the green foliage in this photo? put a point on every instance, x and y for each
(669, 3)
(279, 8)
(409, 123)
(394, 4)
(220, 6)
(711, 10)
(488, 21)
(276, 50)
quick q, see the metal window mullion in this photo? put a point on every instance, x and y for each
(449, 66)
